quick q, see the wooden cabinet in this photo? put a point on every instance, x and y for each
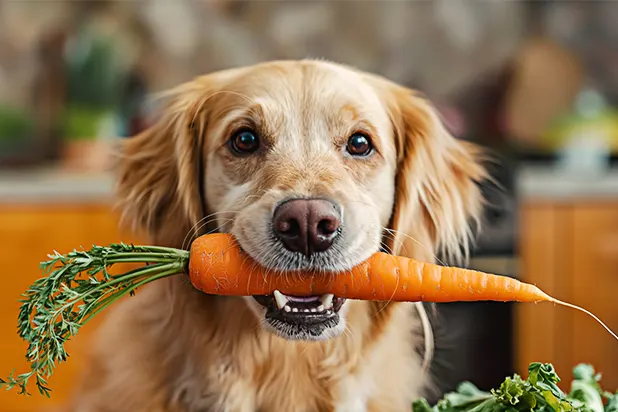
(571, 251)
(28, 234)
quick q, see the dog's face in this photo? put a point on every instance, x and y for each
(303, 176)
(310, 165)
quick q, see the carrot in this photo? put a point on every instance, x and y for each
(55, 307)
(218, 266)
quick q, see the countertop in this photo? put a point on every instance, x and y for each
(49, 185)
(53, 186)
(552, 184)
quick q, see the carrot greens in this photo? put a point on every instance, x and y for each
(76, 288)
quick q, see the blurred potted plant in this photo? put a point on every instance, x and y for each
(94, 84)
(17, 136)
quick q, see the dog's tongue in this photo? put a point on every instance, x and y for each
(302, 298)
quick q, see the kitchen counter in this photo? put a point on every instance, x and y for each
(533, 182)
(544, 183)
(53, 186)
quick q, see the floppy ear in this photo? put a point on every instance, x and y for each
(159, 185)
(437, 198)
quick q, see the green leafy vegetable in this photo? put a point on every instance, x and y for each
(538, 393)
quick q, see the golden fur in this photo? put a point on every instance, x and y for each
(171, 348)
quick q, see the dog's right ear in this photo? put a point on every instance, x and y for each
(160, 171)
(438, 199)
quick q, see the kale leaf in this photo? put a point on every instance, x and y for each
(538, 393)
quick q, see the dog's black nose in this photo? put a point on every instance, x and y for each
(307, 225)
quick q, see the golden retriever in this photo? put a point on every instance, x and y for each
(310, 164)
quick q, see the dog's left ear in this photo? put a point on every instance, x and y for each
(437, 198)
(160, 171)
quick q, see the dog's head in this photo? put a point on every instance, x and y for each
(310, 165)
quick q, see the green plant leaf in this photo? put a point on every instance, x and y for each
(612, 402)
(538, 393)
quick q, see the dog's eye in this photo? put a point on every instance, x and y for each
(244, 142)
(359, 145)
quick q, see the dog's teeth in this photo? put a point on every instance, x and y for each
(327, 300)
(321, 308)
(294, 309)
(280, 299)
(328, 312)
(314, 310)
(306, 310)
(287, 308)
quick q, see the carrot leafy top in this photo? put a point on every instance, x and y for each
(538, 393)
(77, 287)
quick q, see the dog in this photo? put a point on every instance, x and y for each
(310, 164)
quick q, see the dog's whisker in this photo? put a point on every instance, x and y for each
(194, 231)
(206, 223)
(428, 249)
(387, 248)
(194, 228)
(212, 215)
(186, 244)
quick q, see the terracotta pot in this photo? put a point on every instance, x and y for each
(86, 155)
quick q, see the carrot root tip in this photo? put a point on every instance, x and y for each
(587, 312)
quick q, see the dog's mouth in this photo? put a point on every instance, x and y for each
(306, 317)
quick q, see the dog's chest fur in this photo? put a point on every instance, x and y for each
(247, 369)
(243, 368)
(291, 378)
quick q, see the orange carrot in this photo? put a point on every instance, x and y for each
(217, 265)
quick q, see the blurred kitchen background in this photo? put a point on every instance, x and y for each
(536, 83)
